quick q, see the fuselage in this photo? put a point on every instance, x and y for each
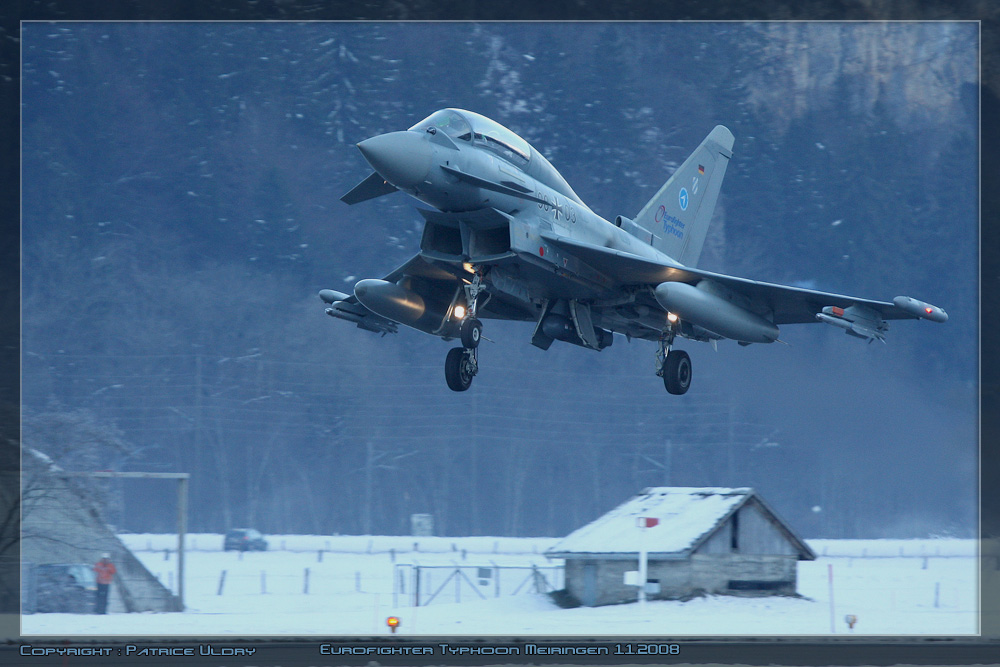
(508, 238)
(459, 162)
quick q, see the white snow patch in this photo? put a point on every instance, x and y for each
(351, 592)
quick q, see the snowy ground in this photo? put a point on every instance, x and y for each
(930, 589)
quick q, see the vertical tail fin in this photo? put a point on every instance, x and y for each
(679, 214)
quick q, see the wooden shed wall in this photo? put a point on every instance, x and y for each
(759, 535)
(755, 533)
(719, 542)
(713, 573)
(674, 577)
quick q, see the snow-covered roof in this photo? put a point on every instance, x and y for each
(686, 516)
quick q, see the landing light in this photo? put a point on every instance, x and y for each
(459, 311)
(392, 622)
(468, 267)
(672, 318)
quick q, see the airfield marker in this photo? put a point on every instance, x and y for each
(829, 570)
(644, 523)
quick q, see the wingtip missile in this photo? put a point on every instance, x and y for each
(857, 320)
(920, 309)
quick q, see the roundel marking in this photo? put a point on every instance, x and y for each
(682, 199)
(659, 213)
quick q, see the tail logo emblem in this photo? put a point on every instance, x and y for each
(682, 199)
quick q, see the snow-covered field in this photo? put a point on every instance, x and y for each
(893, 587)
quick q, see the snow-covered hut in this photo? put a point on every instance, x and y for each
(712, 540)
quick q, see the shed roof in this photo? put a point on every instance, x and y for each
(687, 517)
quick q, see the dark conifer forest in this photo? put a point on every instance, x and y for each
(180, 212)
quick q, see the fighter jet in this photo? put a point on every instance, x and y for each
(506, 237)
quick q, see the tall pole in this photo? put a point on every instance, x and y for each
(644, 523)
(366, 511)
(669, 461)
(829, 571)
(642, 565)
(198, 436)
(182, 491)
(730, 464)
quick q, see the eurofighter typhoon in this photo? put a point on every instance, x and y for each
(508, 238)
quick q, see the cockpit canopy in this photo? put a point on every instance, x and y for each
(469, 126)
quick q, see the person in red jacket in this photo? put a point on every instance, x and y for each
(105, 571)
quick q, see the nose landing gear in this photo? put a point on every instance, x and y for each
(462, 363)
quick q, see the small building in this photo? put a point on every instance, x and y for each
(706, 540)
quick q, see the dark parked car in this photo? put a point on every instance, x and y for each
(244, 539)
(66, 588)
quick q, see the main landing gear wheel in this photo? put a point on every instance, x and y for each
(677, 372)
(471, 332)
(460, 367)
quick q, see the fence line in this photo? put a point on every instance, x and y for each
(420, 585)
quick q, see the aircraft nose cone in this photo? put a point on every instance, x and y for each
(402, 158)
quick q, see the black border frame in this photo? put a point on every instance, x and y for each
(734, 650)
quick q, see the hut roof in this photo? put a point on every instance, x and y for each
(687, 516)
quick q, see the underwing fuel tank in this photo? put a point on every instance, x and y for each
(400, 305)
(708, 307)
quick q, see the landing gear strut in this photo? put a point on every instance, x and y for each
(674, 366)
(462, 363)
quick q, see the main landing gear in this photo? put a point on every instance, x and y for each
(674, 366)
(462, 363)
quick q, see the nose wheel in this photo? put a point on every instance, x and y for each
(471, 332)
(460, 366)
